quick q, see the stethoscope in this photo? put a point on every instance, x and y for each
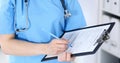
(27, 26)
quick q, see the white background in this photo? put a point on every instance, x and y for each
(90, 10)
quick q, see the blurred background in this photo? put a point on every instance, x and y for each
(3, 58)
(97, 12)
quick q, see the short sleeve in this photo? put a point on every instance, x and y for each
(77, 19)
(6, 17)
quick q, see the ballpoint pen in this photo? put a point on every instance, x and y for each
(69, 44)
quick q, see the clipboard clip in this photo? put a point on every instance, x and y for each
(104, 36)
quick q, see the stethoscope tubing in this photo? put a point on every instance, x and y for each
(66, 15)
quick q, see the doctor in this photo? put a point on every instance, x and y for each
(22, 23)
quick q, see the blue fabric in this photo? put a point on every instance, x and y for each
(43, 14)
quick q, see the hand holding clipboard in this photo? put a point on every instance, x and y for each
(85, 41)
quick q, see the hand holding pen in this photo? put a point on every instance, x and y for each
(54, 36)
(57, 45)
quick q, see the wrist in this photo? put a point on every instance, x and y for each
(46, 49)
(42, 49)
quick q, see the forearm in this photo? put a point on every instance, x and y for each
(23, 48)
(13, 46)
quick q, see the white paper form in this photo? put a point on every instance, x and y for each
(84, 40)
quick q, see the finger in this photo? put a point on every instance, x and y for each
(60, 51)
(73, 58)
(65, 56)
(68, 57)
(62, 57)
(59, 41)
(62, 42)
(64, 39)
(62, 46)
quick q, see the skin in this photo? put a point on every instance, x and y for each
(12, 46)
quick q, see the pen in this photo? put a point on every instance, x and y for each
(54, 36)
(69, 44)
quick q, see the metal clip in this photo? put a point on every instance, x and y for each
(105, 36)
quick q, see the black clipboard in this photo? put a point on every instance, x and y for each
(104, 36)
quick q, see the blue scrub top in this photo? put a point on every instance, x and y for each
(43, 14)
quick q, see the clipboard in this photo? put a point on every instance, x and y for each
(102, 36)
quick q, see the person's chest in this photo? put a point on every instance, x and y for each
(42, 14)
(39, 11)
